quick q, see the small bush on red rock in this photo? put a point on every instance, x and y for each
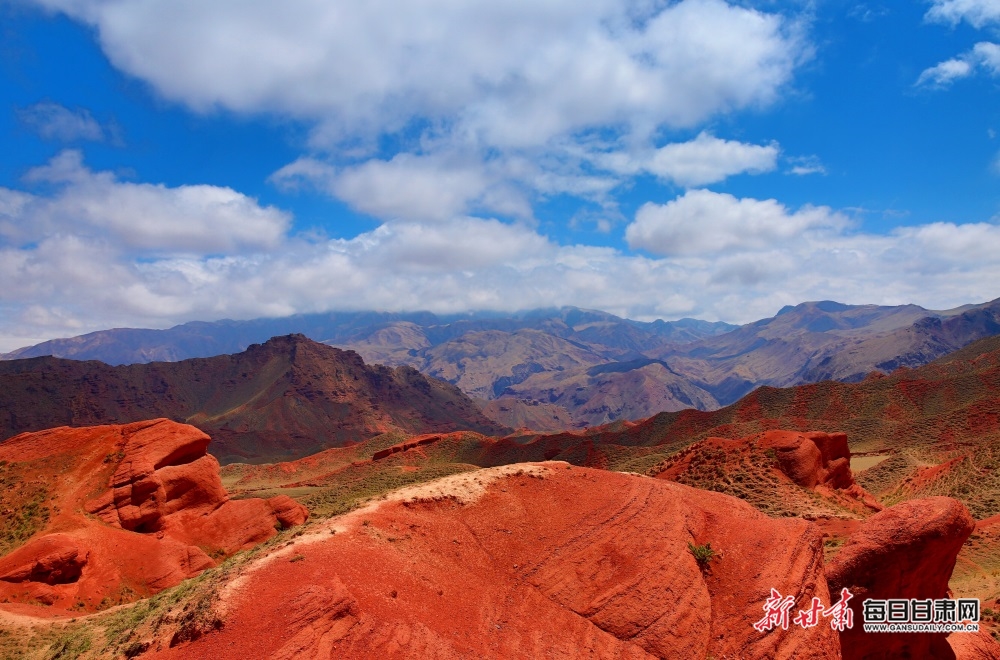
(703, 554)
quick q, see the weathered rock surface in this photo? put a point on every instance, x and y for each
(53, 559)
(812, 458)
(779, 472)
(906, 551)
(532, 560)
(417, 441)
(973, 646)
(158, 514)
(817, 460)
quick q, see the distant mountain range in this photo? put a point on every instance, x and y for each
(933, 430)
(554, 369)
(819, 341)
(395, 333)
(283, 399)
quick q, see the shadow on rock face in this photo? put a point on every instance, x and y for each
(161, 516)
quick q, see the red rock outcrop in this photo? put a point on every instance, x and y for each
(779, 472)
(531, 560)
(166, 483)
(974, 646)
(158, 513)
(53, 559)
(817, 460)
(812, 458)
(906, 551)
(404, 446)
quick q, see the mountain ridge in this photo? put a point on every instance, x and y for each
(287, 397)
(207, 338)
(589, 367)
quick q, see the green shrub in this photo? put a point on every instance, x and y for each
(703, 554)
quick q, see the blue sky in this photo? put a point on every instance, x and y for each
(167, 161)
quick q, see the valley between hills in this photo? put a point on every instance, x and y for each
(560, 483)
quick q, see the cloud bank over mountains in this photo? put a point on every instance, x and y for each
(706, 254)
(489, 110)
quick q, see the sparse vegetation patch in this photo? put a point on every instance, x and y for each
(24, 507)
(703, 554)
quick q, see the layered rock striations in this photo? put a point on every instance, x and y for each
(552, 560)
(133, 509)
(937, 428)
(906, 551)
(530, 560)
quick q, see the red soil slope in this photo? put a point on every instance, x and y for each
(286, 398)
(926, 417)
(529, 561)
(779, 472)
(550, 560)
(158, 514)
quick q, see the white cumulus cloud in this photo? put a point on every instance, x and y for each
(155, 218)
(983, 56)
(442, 185)
(711, 255)
(703, 160)
(516, 72)
(488, 104)
(805, 165)
(987, 55)
(945, 72)
(436, 187)
(702, 222)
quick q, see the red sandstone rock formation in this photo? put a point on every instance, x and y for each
(906, 551)
(52, 559)
(535, 560)
(973, 646)
(159, 513)
(817, 460)
(812, 458)
(780, 472)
